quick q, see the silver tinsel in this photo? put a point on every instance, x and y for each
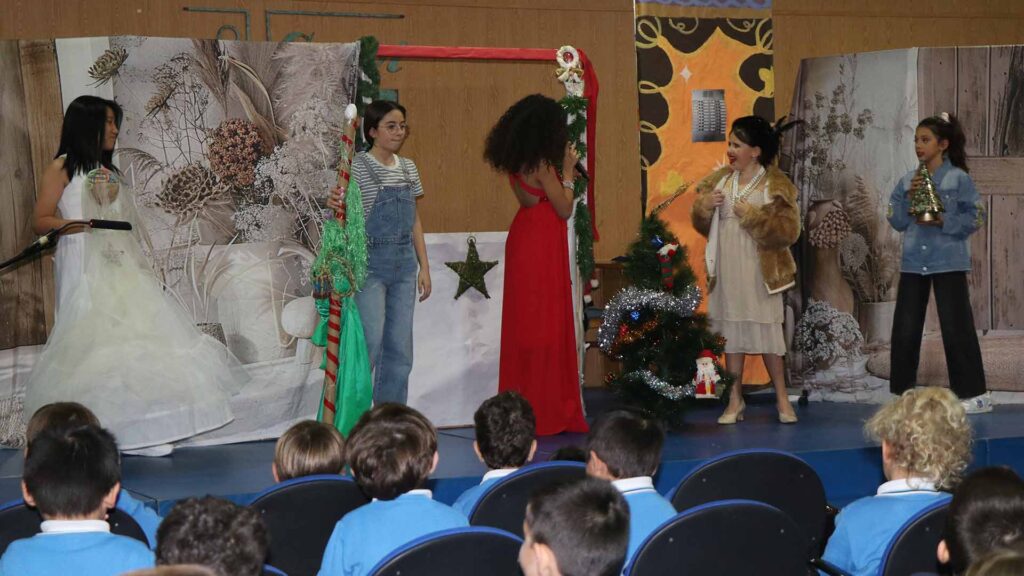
(662, 387)
(634, 299)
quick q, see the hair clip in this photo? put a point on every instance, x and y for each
(944, 116)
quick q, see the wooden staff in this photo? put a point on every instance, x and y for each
(334, 316)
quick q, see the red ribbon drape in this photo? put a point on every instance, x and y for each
(590, 87)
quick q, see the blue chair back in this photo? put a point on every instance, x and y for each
(912, 550)
(473, 550)
(770, 476)
(724, 538)
(503, 504)
(18, 521)
(300, 514)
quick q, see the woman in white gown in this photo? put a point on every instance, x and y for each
(119, 344)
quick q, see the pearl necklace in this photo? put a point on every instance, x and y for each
(739, 196)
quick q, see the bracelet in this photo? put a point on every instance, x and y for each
(568, 184)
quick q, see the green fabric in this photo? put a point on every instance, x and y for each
(343, 256)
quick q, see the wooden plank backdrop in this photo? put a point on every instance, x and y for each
(974, 82)
(22, 313)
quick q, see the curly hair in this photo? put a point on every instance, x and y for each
(529, 133)
(505, 429)
(229, 539)
(927, 433)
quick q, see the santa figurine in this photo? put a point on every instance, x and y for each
(707, 377)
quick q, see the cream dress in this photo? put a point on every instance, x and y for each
(740, 307)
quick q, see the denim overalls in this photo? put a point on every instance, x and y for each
(388, 297)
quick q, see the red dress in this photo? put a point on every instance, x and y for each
(538, 336)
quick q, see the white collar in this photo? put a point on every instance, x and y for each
(415, 492)
(495, 474)
(906, 486)
(635, 484)
(70, 526)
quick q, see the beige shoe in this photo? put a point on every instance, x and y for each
(732, 417)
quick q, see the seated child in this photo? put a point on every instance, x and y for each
(229, 539)
(625, 448)
(926, 443)
(575, 528)
(986, 514)
(65, 415)
(392, 450)
(504, 441)
(309, 447)
(72, 477)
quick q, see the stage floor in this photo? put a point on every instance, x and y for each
(829, 437)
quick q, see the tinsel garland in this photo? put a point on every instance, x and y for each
(660, 386)
(631, 301)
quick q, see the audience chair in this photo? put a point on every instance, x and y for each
(912, 550)
(18, 521)
(726, 537)
(770, 476)
(300, 514)
(473, 550)
(503, 504)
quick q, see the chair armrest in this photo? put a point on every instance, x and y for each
(826, 567)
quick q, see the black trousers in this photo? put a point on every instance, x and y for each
(960, 341)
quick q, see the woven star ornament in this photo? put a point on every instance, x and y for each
(471, 271)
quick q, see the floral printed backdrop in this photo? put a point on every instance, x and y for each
(230, 149)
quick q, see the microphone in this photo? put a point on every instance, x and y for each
(582, 170)
(50, 238)
(109, 224)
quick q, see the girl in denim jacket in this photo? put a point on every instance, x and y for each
(937, 256)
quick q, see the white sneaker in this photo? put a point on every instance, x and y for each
(977, 405)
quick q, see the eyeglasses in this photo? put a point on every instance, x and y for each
(392, 127)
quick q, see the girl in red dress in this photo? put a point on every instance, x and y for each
(538, 336)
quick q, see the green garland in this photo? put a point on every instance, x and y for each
(368, 88)
(576, 108)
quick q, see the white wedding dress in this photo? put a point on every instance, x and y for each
(120, 345)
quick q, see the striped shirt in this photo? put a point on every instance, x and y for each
(394, 175)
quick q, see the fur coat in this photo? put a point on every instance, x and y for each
(774, 226)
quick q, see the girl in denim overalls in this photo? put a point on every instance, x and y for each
(390, 186)
(938, 257)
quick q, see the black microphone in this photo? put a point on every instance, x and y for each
(109, 224)
(582, 170)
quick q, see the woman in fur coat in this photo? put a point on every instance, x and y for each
(748, 212)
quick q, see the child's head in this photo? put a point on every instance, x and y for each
(531, 133)
(72, 473)
(505, 428)
(924, 434)
(754, 139)
(986, 514)
(392, 449)
(229, 539)
(999, 563)
(575, 528)
(624, 444)
(938, 135)
(59, 415)
(309, 447)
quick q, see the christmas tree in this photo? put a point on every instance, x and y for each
(654, 329)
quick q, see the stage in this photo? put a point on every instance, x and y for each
(828, 437)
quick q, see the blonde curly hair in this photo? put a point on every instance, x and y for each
(927, 433)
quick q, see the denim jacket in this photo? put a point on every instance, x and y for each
(936, 249)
